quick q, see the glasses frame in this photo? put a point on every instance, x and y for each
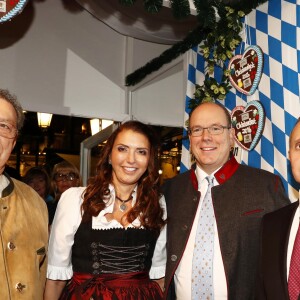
(209, 129)
(65, 177)
(10, 132)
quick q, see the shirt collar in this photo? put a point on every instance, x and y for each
(4, 182)
(221, 175)
(113, 194)
(100, 222)
(201, 175)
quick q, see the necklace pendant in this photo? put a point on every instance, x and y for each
(123, 207)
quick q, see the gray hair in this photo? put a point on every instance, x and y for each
(12, 99)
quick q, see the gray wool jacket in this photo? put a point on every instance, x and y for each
(243, 196)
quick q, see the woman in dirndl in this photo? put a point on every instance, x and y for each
(108, 239)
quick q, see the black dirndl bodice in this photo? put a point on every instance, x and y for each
(112, 264)
(116, 251)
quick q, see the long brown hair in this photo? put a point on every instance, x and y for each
(147, 206)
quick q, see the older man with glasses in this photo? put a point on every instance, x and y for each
(23, 218)
(214, 215)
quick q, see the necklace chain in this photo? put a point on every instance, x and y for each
(124, 201)
(123, 206)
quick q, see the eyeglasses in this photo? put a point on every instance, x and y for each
(7, 130)
(65, 177)
(213, 130)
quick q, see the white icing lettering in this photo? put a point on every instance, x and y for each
(249, 67)
(245, 123)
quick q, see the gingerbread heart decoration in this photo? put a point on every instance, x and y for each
(248, 123)
(10, 8)
(246, 70)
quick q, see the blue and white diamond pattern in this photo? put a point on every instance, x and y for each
(275, 27)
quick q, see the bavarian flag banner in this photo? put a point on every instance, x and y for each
(274, 28)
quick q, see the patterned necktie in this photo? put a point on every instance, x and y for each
(294, 275)
(202, 272)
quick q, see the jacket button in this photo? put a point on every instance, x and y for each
(20, 286)
(96, 265)
(195, 199)
(11, 246)
(173, 257)
(184, 227)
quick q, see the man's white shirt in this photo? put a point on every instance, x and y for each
(183, 274)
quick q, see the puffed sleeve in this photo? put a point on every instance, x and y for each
(159, 258)
(65, 224)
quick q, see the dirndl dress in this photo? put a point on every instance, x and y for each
(112, 264)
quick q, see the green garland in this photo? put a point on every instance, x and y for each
(193, 39)
(206, 30)
(216, 49)
(180, 9)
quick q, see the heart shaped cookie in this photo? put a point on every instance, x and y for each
(9, 9)
(248, 123)
(246, 70)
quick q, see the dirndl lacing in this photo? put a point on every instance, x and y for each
(130, 286)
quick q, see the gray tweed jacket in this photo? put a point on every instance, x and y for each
(243, 196)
